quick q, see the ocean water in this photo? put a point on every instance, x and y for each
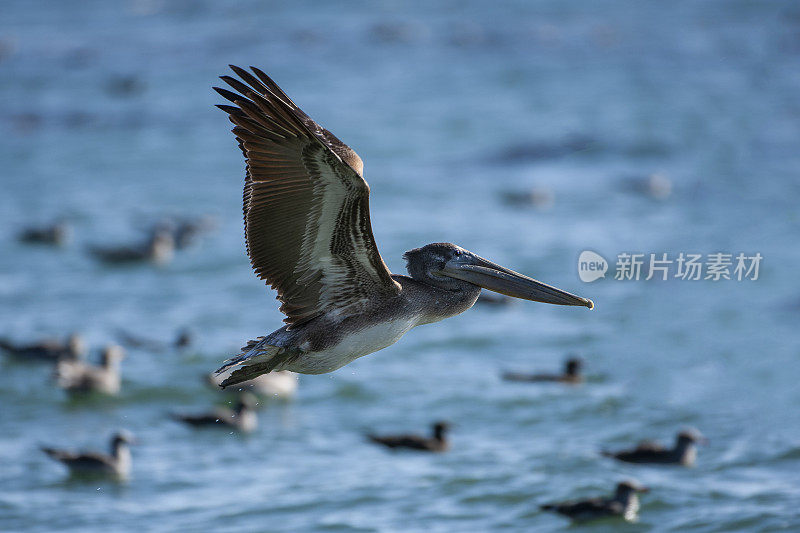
(107, 118)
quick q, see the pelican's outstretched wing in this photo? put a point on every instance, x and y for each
(306, 205)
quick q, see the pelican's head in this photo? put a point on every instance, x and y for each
(448, 266)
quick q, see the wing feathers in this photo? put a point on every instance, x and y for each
(305, 204)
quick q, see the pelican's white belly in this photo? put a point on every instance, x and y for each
(351, 347)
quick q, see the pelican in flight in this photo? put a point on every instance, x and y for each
(309, 236)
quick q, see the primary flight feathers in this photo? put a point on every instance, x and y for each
(306, 205)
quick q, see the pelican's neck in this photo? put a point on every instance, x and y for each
(431, 303)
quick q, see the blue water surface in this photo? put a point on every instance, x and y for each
(107, 118)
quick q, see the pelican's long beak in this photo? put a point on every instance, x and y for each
(478, 271)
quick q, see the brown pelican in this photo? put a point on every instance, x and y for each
(241, 418)
(435, 443)
(80, 376)
(117, 463)
(683, 453)
(308, 234)
(571, 374)
(624, 504)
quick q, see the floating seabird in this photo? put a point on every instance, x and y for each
(656, 186)
(624, 504)
(58, 234)
(684, 452)
(538, 198)
(187, 230)
(183, 339)
(159, 249)
(436, 443)
(538, 151)
(280, 385)
(308, 233)
(80, 376)
(571, 374)
(117, 463)
(241, 418)
(73, 348)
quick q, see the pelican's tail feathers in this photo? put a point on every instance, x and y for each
(256, 358)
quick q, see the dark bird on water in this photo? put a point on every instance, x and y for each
(76, 376)
(623, 504)
(74, 348)
(58, 234)
(683, 453)
(185, 231)
(159, 248)
(437, 442)
(117, 463)
(241, 418)
(571, 374)
(539, 198)
(183, 339)
(308, 234)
